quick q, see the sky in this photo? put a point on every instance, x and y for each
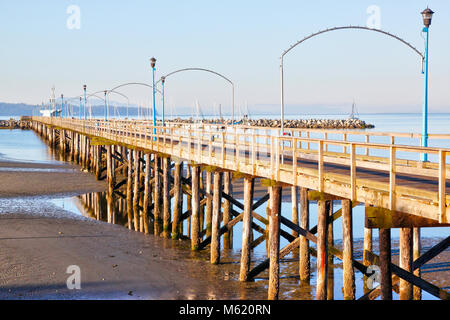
(42, 45)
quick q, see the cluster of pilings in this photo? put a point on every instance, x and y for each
(150, 186)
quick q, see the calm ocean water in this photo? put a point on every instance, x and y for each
(23, 145)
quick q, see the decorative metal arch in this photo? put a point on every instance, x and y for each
(352, 27)
(329, 30)
(205, 70)
(132, 83)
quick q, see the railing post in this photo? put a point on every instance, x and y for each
(294, 161)
(253, 152)
(223, 149)
(367, 148)
(392, 156)
(353, 171)
(320, 166)
(442, 185)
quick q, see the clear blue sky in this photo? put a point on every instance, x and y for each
(241, 39)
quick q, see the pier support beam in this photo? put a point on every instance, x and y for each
(323, 207)
(385, 263)
(98, 162)
(417, 292)
(217, 201)
(157, 196)
(188, 202)
(330, 244)
(166, 197)
(294, 201)
(347, 241)
(195, 222)
(147, 192)
(274, 242)
(209, 205)
(247, 221)
(110, 182)
(177, 200)
(136, 190)
(304, 267)
(130, 189)
(227, 206)
(62, 141)
(406, 260)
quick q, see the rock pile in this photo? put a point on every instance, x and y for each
(13, 124)
(298, 123)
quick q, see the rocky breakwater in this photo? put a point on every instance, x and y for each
(296, 123)
(14, 124)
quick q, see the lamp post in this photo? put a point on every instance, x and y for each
(163, 80)
(427, 15)
(153, 64)
(79, 113)
(62, 105)
(85, 102)
(106, 107)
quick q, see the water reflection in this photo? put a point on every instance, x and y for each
(95, 206)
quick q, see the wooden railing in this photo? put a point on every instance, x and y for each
(264, 153)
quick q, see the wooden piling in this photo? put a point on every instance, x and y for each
(110, 183)
(330, 257)
(417, 292)
(201, 218)
(88, 153)
(294, 201)
(72, 145)
(98, 162)
(77, 148)
(367, 249)
(347, 241)
(217, 201)
(227, 206)
(189, 203)
(385, 263)
(147, 192)
(157, 196)
(177, 200)
(166, 197)
(83, 153)
(247, 221)
(62, 141)
(406, 260)
(136, 192)
(208, 211)
(195, 223)
(130, 189)
(304, 266)
(322, 249)
(274, 240)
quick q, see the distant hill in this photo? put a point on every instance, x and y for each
(22, 109)
(16, 109)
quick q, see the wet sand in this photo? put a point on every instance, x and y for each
(115, 263)
(39, 240)
(24, 179)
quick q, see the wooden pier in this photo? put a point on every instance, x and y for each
(145, 166)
